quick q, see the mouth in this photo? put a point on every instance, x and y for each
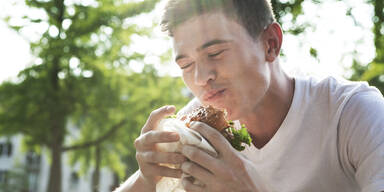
(213, 95)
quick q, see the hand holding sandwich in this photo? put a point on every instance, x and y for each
(230, 171)
(149, 158)
(224, 170)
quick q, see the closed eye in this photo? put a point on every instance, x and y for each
(186, 66)
(212, 55)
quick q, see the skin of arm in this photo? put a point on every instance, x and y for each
(134, 183)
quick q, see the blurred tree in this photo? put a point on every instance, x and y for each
(82, 78)
(139, 95)
(293, 8)
(374, 71)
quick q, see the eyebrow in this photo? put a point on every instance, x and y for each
(210, 43)
(205, 45)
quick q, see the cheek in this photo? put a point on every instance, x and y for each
(189, 82)
(250, 79)
(186, 79)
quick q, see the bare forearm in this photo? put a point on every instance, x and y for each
(135, 183)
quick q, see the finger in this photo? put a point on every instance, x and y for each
(196, 171)
(155, 117)
(202, 158)
(189, 186)
(160, 157)
(149, 139)
(218, 141)
(157, 170)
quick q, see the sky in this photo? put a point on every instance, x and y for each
(14, 49)
(336, 37)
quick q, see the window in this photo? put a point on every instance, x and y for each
(74, 181)
(33, 161)
(6, 149)
(3, 176)
(9, 149)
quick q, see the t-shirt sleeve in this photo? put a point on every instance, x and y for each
(362, 135)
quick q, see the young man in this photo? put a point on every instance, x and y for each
(308, 135)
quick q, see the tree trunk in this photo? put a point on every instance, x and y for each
(96, 173)
(57, 124)
(379, 14)
(54, 184)
(57, 138)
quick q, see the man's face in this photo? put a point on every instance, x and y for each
(221, 64)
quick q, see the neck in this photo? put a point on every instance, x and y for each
(269, 114)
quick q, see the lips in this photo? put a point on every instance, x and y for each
(213, 95)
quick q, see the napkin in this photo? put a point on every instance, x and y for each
(187, 137)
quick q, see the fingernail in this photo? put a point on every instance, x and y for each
(169, 107)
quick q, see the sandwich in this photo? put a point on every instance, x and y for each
(216, 119)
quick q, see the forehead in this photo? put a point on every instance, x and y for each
(207, 27)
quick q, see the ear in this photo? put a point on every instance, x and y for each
(273, 39)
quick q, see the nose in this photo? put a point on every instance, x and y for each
(204, 72)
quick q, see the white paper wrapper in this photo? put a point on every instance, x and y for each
(187, 137)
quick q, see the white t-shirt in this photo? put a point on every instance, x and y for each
(331, 140)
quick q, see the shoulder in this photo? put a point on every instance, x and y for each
(361, 125)
(361, 137)
(335, 86)
(370, 103)
(332, 92)
(364, 112)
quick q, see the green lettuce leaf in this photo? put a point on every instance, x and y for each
(238, 137)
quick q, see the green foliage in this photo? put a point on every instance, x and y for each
(313, 52)
(292, 9)
(374, 71)
(84, 88)
(141, 93)
(289, 7)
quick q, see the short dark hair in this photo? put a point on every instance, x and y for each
(253, 15)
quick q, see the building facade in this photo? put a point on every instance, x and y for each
(23, 171)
